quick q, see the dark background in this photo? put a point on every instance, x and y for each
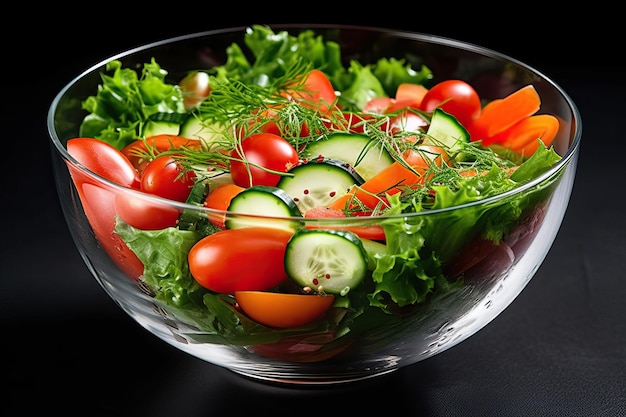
(559, 349)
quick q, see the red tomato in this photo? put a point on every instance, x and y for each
(283, 310)
(455, 97)
(354, 122)
(316, 92)
(138, 154)
(407, 121)
(258, 154)
(98, 200)
(271, 124)
(167, 178)
(104, 160)
(378, 105)
(195, 88)
(245, 259)
(145, 214)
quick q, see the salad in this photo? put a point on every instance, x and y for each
(342, 155)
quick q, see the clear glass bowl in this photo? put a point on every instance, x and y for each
(313, 355)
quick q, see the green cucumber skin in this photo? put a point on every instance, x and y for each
(366, 157)
(326, 260)
(209, 133)
(446, 130)
(153, 128)
(318, 182)
(263, 200)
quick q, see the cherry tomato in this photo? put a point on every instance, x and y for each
(259, 151)
(104, 160)
(145, 214)
(455, 97)
(141, 152)
(167, 178)
(407, 121)
(283, 310)
(98, 201)
(249, 258)
(270, 123)
(195, 88)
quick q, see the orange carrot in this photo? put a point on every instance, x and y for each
(412, 91)
(501, 114)
(219, 199)
(394, 177)
(342, 202)
(523, 136)
(372, 232)
(389, 180)
(407, 95)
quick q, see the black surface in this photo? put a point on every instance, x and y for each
(559, 349)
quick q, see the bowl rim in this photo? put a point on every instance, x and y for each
(569, 155)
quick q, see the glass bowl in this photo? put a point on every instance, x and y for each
(435, 277)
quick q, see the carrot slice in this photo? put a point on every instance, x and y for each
(523, 136)
(219, 199)
(283, 310)
(407, 95)
(415, 92)
(373, 232)
(389, 180)
(501, 114)
(342, 202)
(394, 177)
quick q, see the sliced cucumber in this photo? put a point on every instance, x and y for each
(326, 261)
(209, 133)
(262, 200)
(367, 156)
(445, 130)
(318, 182)
(163, 124)
(193, 219)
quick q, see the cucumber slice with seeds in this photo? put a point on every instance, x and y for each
(326, 261)
(318, 182)
(367, 156)
(266, 201)
(445, 130)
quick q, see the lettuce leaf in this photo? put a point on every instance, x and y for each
(125, 101)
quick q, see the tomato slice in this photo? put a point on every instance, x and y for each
(283, 310)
